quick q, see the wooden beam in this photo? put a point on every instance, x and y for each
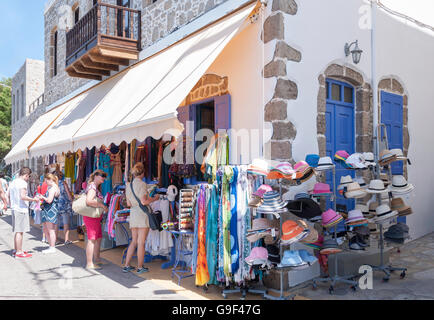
(78, 67)
(100, 59)
(73, 73)
(88, 63)
(116, 53)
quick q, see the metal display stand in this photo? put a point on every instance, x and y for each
(335, 278)
(386, 269)
(179, 261)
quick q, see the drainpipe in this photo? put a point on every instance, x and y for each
(374, 77)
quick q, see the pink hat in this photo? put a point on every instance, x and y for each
(285, 168)
(329, 216)
(301, 166)
(342, 154)
(321, 188)
(257, 253)
(262, 189)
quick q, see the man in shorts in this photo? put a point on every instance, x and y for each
(19, 204)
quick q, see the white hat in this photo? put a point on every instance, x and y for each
(369, 158)
(376, 186)
(356, 160)
(383, 212)
(363, 208)
(399, 154)
(399, 185)
(354, 191)
(325, 163)
(361, 181)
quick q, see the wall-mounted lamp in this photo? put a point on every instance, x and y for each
(356, 52)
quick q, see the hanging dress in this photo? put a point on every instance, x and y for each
(117, 169)
(202, 275)
(226, 214)
(235, 254)
(104, 165)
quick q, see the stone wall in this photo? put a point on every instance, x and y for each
(284, 132)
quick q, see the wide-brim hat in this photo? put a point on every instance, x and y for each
(364, 208)
(273, 253)
(258, 167)
(304, 208)
(291, 258)
(361, 181)
(282, 170)
(354, 191)
(257, 253)
(272, 203)
(341, 155)
(345, 181)
(369, 158)
(330, 246)
(309, 173)
(399, 205)
(261, 224)
(263, 189)
(376, 186)
(329, 216)
(255, 201)
(399, 154)
(400, 185)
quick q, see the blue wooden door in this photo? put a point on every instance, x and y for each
(391, 116)
(340, 132)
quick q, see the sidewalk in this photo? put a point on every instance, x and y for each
(62, 275)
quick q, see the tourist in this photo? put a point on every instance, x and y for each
(65, 205)
(139, 221)
(19, 204)
(94, 199)
(3, 190)
(50, 211)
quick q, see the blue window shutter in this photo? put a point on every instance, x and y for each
(222, 112)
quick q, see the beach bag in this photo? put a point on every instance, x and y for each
(154, 220)
(83, 209)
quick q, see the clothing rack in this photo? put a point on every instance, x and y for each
(386, 269)
(336, 277)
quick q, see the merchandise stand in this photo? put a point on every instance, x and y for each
(386, 269)
(336, 278)
(181, 253)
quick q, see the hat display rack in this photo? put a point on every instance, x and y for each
(386, 269)
(336, 278)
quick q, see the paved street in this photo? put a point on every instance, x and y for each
(62, 275)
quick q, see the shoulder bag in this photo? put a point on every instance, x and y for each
(83, 209)
(154, 224)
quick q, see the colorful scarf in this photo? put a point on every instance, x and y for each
(212, 235)
(235, 253)
(202, 275)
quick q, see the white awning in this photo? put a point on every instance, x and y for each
(142, 100)
(19, 151)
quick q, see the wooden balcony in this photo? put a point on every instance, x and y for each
(105, 38)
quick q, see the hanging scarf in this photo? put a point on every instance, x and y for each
(226, 209)
(235, 253)
(220, 274)
(202, 275)
(212, 235)
(195, 238)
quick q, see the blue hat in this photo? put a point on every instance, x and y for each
(312, 160)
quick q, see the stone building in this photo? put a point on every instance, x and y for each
(27, 99)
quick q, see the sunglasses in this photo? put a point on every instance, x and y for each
(104, 175)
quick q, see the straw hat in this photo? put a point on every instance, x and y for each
(399, 185)
(258, 167)
(312, 237)
(262, 224)
(386, 157)
(355, 216)
(399, 205)
(325, 163)
(383, 212)
(356, 161)
(272, 203)
(369, 159)
(354, 191)
(376, 186)
(399, 154)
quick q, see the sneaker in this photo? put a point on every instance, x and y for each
(49, 250)
(142, 270)
(67, 242)
(127, 269)
(14, 252)
(23, 255)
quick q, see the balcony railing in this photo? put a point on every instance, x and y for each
(105, 25)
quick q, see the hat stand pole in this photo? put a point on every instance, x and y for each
(386, 269)
(335, 278)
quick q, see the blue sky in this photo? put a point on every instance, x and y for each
(22, 25)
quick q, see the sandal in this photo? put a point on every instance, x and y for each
(128, 269)
(67, 242)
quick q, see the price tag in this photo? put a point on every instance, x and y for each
(273, 232)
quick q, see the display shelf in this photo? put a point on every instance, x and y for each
(181, 273)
